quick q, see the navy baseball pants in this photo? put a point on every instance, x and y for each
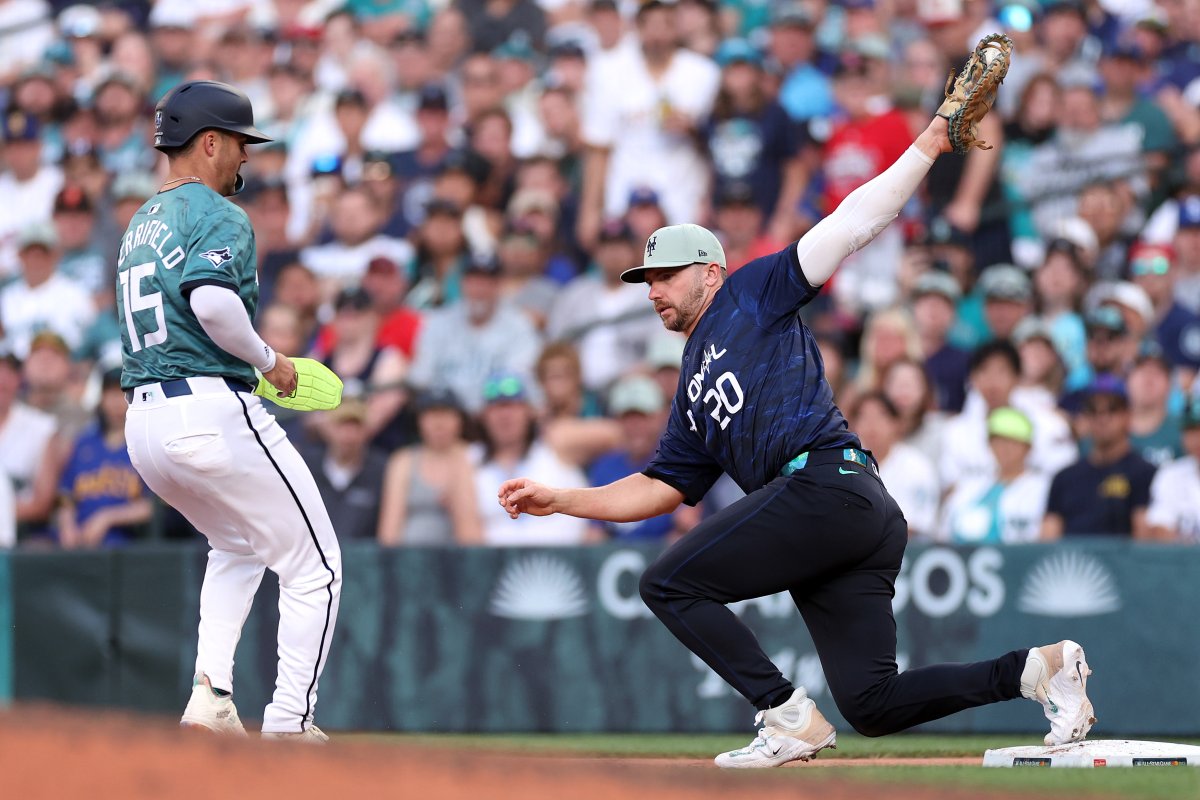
(832, 536)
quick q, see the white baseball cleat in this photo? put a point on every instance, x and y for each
(211, 711)
(1056, 676)
(310, 735)
(793, 731)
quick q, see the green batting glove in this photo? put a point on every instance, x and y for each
(317, 388)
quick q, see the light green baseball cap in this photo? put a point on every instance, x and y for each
(1010, 423)
(677, 246)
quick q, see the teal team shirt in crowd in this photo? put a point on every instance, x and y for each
(179, 239)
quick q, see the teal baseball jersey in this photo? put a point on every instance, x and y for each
(179, 239)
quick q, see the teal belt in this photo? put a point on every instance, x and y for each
(826, 457)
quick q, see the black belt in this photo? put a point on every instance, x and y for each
(841, 455)
(180, 388)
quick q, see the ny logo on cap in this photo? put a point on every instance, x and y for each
(650, 245)
(158, 120)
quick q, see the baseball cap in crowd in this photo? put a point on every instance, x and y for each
(568, 49)
(351, 409)
(1105, 318)
(51, 339)
(737, 51)
(615, 230)
(72, 199)
(942, 231)
(529, 201)
(643, 196)
(482, 265)
(1009, 423)
(1151, 351)
(504, 386)
(352, 297)
(20, 127)
(135, 186)
(1189, 212)
(792, 15)
(516, 48)
(382, 265)
(665, 351)
(79, 21)
(432, 98)
(935, 281)
(1106, 385)
(1125, 50)
(1064, 6)
(677, 246)
(173, 15)
(1151, 259)
(437, 397)
(37, 234)
(1067, 247)
(735, 193)
(443, 206)
(635, 393)
(1191, 412)
(1127, 295)
(1032, 328)
(1005, 282)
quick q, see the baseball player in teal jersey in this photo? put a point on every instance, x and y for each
(187, 289)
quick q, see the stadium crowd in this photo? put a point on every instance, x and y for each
(455, 186)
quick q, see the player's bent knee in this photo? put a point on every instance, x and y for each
(866, 722)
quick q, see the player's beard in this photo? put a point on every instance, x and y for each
(689, 306)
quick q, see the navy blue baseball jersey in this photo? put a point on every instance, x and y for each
(752, 392)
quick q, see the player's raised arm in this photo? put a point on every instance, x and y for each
(630, 499)
(871, 207)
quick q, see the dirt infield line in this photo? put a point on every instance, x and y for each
(53, 753)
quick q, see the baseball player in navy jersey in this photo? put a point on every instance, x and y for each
(187, 290)
(816, 521)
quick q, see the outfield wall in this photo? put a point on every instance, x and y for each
(558, 639)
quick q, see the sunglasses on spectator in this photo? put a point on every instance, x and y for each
(1103, 409)
(1155, 265)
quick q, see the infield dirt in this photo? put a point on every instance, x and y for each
(53, 753)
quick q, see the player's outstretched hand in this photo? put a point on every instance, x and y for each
(523, 496)
(283, 375)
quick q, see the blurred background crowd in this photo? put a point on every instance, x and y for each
(455, 186)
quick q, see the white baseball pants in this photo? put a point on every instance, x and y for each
(220, 458)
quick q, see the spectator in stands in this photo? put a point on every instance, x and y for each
(995, 374)
(606, 319)
(512, 446)
(1007, 299)
(664, 359)
(1155, 431)
(348, 471)
(645, 213)
(53, 385)
(1177, 329)
(1032, 126)
(522, 254)
(119, 103)
(491, 24)
(103, 501)
(1042, 370)
(1059, 283)
(1187, 254)
(1106, 492)
(416, 168)
(935, 295)
(27, 185)
(429, 487)
(908, 386)
(739, 225)
(888, 336)
(867, 137)
(1174, 514)
(642, 109)
(42, 298)
(386, 285)
(559, 371)
(81, 259)
(297, 288)
(1110, 350)
(462, 344)
(25, 435)
(369, 370)
(356, 222)
(909, 476)
(637, 403)
(442, 255)
(806, 92)
(1105, 206)
(753, 143)
(1006, 508)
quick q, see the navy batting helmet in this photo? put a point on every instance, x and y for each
(199, 105)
